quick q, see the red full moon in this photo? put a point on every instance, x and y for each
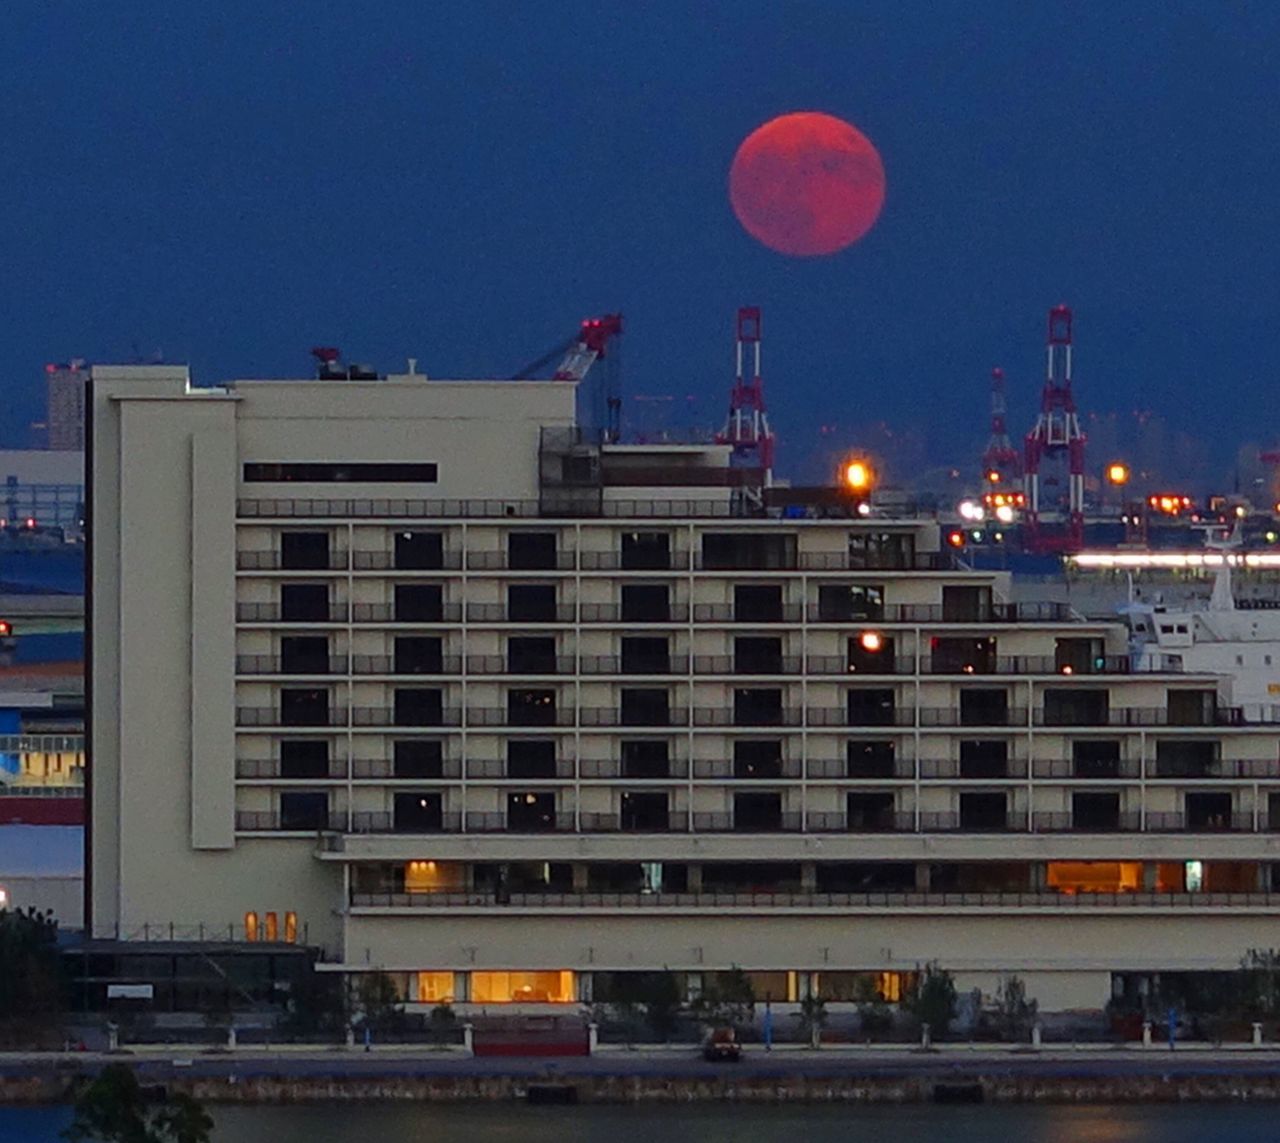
(807, 184)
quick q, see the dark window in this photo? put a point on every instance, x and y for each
(647, 706)
(1210, 811)
(531, 551)
(728, 550)
(980, 877)
(753, 811)
(1095, 758)
(419, 706)
(751, 876)
(1095, 811)
(846, 603)
(531, 708)
(419, 602)
(757, 707)
(1067, 706)
(963, 656)
(644, 811)
(531, 602)
(966, 604)
(304, 551)
(645, 758)
(871, 653)
(304, 654)
(531, 812)
(317, 472)
(1191, 708)
(646, 603)
(865, 759)
(984, 708)
(418, 812)
(865, 876)
(304, 706)
(984, 759)
(301, 809)
(757, 603)
(1197, 758)
(531, 655)
(757, 655)
(304, 602)
(531, 758)
(984, 811)
(876, 550)
(646, 551)
(870, 811)
(418, 758)
(757, 759)
(871, 707)
(1075, 656)
(418, 655)
(644, 655)
(419, 551)
(304, 758)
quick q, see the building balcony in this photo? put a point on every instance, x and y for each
(532, 716)
(498, 769)
(386, 561)
(275, 561)
(259, 768)
(300, 665)
(385, 769)
(864, 561)
(270, 821)
(1022, 665)
(760, 665)
(727, 613)
(673, 613)
(499, 613)
(258, 716)
(390, 665)
(730, 823)
(387, 613)
(634, 665)
(646, 562)
(634, 719)
(873, 717)
(951, 822)
(521, 666)
(1152, 716)
(730, 716)
(407, 720)
(501, 561)
(860, 770)
(1123, 822)
(726, 770)
(383, 821)
(612, 768)
(274, 613)
(1092, 771)
(792, 900)
(939, 614)
(840, 665)
(974, 769)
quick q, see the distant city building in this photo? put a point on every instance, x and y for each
(66, 392)
(42, 489)
(422, 674)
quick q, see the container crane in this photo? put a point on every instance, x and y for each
(577, 355)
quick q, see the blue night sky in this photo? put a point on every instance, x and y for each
(235, 182)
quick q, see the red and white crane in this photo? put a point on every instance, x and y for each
(1056, 437)
(577, 355)
(1000, 460)
(747, 426)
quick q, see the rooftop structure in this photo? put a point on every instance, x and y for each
(422, 673)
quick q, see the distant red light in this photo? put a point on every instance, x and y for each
(5, 627)
(30, 522)
(51, 369)
(956, 539)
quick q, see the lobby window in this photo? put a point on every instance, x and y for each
(419, 551)
(1072, 877)
(522, 988)
(432, 988)
(425, 876)
(304, 551)
(251, 926)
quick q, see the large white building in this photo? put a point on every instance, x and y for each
(411, 671)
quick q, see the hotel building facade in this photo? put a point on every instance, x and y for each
(414, 672)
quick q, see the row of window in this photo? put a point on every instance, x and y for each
(1090, 759)
(536, 811)
(531, 550)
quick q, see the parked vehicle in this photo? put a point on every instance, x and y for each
(721, 1047)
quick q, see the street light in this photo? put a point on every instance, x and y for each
(858, 475)
(1117, 473)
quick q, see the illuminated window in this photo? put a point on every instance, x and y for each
(291, 928)
(272, 928)
(1094, 876)
(432, 987)
(432, 876)
(890, 985)
(522, 987)
(251, 926)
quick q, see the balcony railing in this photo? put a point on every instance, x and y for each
(787, 899)
(617, 561)
(274, 561)
(391, 665)
(729, 613)
(618, 613)
(532, 716)
(748, 664)
(386, 768)
(274, 613)
(364, 821)
(500, 613)
(723, 769)
(731, 716)
(342, 509)
(407, 719)
(386, 561)
(502, 561)
(634, 665)
(273, 716)
(526, 665)
(930, 614)
(616, 716)
(41, 743)
(271, 821)
(1156, 716)
(388, 613)
(498, 768)
(973, 769)
(1086, 771)
(730, 823)
(601, 768)
(301, 665)
(271, 768)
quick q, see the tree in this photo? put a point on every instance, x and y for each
(653, 996)
(931, 998)
(729, 999)
(443, 1021)
(379, 1000)
(874, 1017)
(30, 973)
(1015, 1015)
(114, 1108)
(1258, 984)
(813, 1018)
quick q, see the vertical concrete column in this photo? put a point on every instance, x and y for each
(468, 1039)
(695, 878)
(808, 877)
(579, 877)
(1149, 876)
(923, 879)
(1039, 877)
